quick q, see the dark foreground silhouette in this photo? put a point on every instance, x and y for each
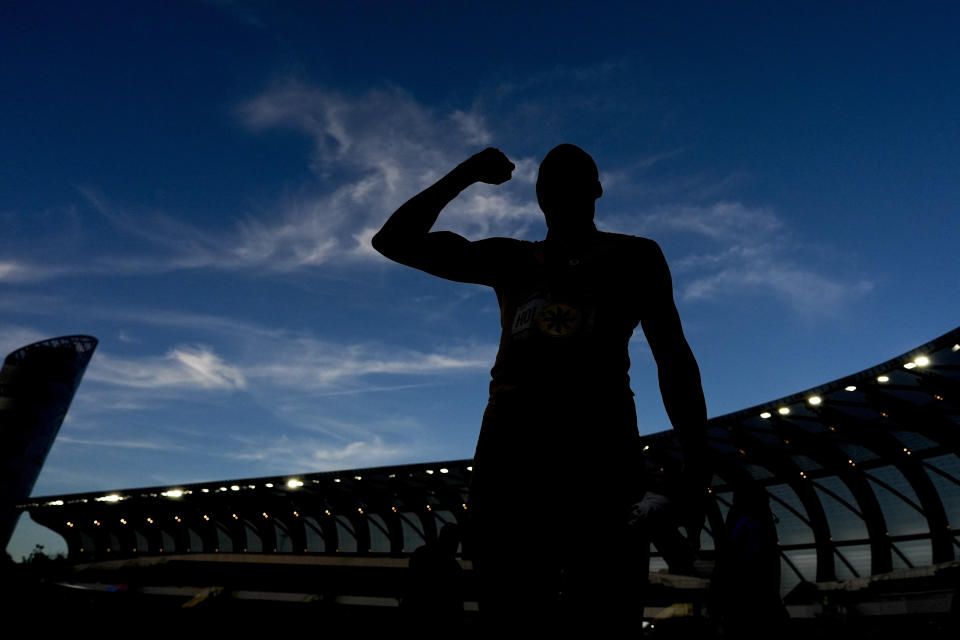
(561, 412)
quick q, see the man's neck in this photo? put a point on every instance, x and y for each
(571, 237)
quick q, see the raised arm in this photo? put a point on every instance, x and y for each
(679, 384)
(406, 237)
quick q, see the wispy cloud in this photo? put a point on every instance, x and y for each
(371, 153)
(17, 271)
(182, 367)
(745, 250)
(287, 361)
(122, 444)
(285, 453)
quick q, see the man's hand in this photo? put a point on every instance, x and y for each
(490, 166)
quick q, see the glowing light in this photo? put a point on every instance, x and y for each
(850, 388)
(394, 509)
(222, 489)
(444, 471)
(815, 400)
(646, 447)
(392, 475)
(235, 517)
(111, 498)
(293, 483)
(265, 515)
(883, 379)
(206, 517)
(360, 510)
(122, 521)
(357, 478)
(55, 503)
(234, 487)
(955, 347)
(269, 485)
(173, 493)
(205, 490)
(150, 520)
(469, 468)
(336, 479)
(430, 471)
(910, 365)
(784, 411)
(922, 361)
(765, 415)
(69, 524)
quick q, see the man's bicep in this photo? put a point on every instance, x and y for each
(659, 319)
(451, 256)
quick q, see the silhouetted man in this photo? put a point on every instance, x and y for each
(555, 469)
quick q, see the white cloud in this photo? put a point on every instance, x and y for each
(744, 250)
(15, 271)
(284, 362)
(122, 444)
(724, 221)
(183, 367)
(306, 363)
(371, 153)
(284, 454)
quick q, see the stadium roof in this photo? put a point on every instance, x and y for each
(862, 474)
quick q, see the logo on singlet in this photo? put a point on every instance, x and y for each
(526, 314)
(558, 319)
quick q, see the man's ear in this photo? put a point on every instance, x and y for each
(598, 191)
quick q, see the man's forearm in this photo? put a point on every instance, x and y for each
(685, 405)
(417, 215)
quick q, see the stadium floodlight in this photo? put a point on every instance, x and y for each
(293, 483)
(850, 388)
(922, 361)
(815, 400)
(784, 411)
(765, 415)
(111, 498)
(883, 378)
(173, 493)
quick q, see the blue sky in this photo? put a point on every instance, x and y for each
(195, 184)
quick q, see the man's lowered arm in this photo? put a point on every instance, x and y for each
(680, 387)
(406, 237)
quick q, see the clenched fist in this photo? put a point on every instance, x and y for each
(490, 166)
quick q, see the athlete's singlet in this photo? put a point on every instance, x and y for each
(566, 320)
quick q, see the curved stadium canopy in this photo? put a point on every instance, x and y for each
(862, 474)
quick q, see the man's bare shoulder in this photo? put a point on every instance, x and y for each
(505, 244)
(635, 247)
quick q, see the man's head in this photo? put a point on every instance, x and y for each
(568, 186)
